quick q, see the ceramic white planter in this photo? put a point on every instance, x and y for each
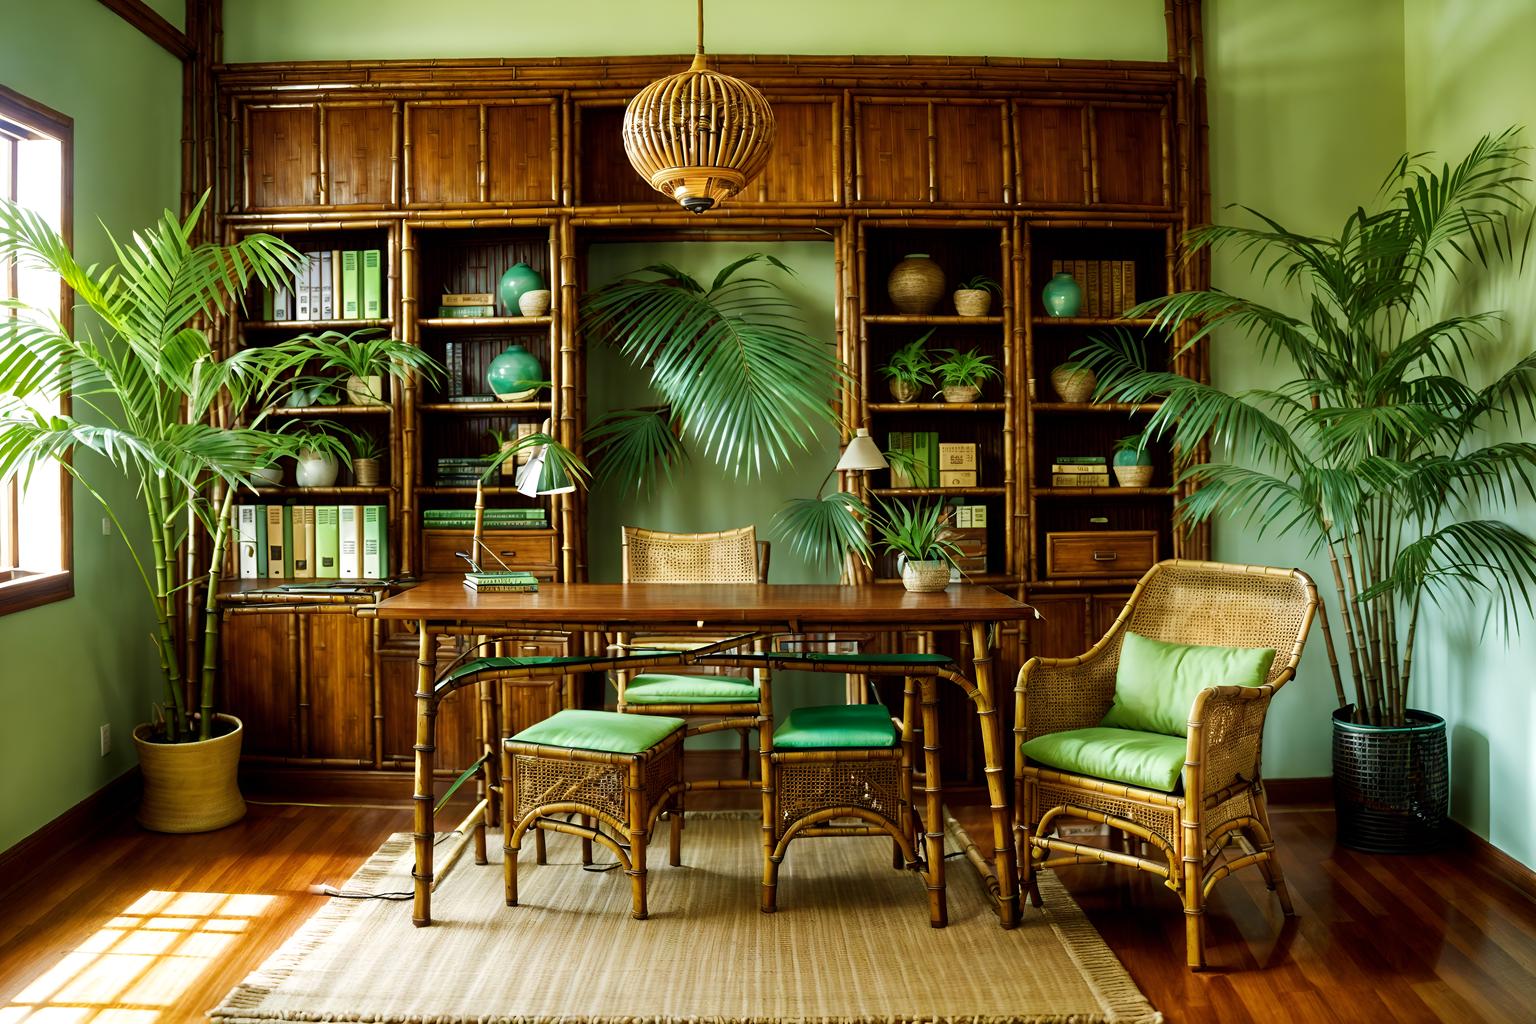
(534, 303)
(314, 469)
(365, 390)
(271, 476)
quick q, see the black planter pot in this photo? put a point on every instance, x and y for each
(1390, 783)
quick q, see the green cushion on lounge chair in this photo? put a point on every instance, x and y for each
(1156, 682)
(841, 726)
(665, 688)
(600, 730)
(1149, 760)
(492, 664)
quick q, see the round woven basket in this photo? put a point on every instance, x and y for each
(190, 787)
(1074, 385)
(973, 301)
(1391, 783)
(961, 393)
(1133, 476)
(925, 577)
(916, 284)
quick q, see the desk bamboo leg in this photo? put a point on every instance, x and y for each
(994, 751)
(426, 722)
(933, 806)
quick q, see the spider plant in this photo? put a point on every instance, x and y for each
(358, 355)
(916, 531)
(981, 283)
(910, 368)
(958, 369)
(738, 376)
(1370, 442)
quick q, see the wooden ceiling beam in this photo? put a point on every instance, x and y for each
(148, 21)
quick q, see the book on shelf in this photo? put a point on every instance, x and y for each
(970, 516)
(349, 541)
(1079, 479)
(375, 543)
(303, 542)
(312, 282)
(245, 540)
(467, 399)
(351, 286)
(301, 290)
(957, 478)
(274, 520)
(453, 362)
(922, 447)
(1108, 286)
(461, 312)
(957, 456)
(1081, 460)
(1076, 467)
(327, 542)
(372, 269)
(327, 282)
(287, 519)
(468, 299)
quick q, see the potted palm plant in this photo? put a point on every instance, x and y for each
(1370, 443)
(909, 370)
(916, 534)
(156, 395)
(961, 374)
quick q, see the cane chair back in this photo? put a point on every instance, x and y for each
(1221, 794)
(655, 556)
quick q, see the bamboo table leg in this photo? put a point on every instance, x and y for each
(426, 722)
(994, 752)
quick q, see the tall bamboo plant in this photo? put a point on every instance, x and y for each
(155, 399)
(1375, 446)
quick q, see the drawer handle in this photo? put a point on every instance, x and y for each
(1105, 556)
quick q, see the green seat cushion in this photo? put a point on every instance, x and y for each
(1149, 760)
(664, 688)
(840, 726)
(600, 730)
(1156, 682)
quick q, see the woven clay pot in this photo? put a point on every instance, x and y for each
(973, 301)
(365, 472)
(1074, 384)
(1133, 476)
(190, 787)
(961, 393)
(916, 284)
(925, 577)
(902, 391)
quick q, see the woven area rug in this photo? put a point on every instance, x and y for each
(850, 943)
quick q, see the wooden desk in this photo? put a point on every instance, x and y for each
(445, 605)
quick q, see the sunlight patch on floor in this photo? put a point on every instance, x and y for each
(139, 963)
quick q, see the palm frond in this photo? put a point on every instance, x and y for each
(632, 448)
(824, 530)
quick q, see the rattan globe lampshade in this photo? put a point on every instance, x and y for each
(699, 136)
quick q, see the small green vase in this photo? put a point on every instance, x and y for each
(519, 278)
(1062, 296)
(511, 372)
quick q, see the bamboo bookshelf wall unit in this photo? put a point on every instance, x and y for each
(455, 169)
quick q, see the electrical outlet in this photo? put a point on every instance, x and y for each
(106, 526)
(106, 739)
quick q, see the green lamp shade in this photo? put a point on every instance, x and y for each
(519, 278)
(543, 475)
(515, 372)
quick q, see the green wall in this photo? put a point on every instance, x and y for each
(1469, 73)
(69, 667)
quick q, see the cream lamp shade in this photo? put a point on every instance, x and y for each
(862, 453)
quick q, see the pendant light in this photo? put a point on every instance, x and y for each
(699, 136)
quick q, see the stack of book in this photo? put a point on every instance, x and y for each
(461, 470)
(1080, 471)
(454, 359)
(493, 519)
(957, 465)
(931, 464)
(333, 284)
(467, 304)
(1108, 286)
(506, 582)
(347, 542)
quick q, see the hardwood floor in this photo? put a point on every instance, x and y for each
(1378, 938)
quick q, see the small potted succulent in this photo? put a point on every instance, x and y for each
(909, 370)
(961, 374)
(367, 451)
(974, 297)
(917, 534)
(1132, 462)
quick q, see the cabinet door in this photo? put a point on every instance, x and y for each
(282, 156)
(1130, 155)
(1052, 143)
(260, 680)
(940, 151)
(1062, 629)
(804, 165)
(1106, 609)
(360, 149)
(339, 678)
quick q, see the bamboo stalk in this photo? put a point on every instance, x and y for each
(211, 618)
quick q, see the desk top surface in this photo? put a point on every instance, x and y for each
(799, 606)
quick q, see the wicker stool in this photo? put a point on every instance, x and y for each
(841, 761)
(617, 770)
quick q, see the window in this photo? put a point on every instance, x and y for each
(36, 562)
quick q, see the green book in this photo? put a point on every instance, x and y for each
(327, 542)
(351, 286)
(287, 541)
(373, 542)
(373, 303)
(261, 542)
(1081, 460)
(350, 527)
(465, 311)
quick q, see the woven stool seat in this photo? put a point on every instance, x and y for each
(618, 771)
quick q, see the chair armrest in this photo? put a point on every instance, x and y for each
(1226, 737)
(1058, 694)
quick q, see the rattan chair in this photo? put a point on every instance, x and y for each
(1220, 795)
(709, 703)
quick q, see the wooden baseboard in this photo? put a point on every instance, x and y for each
(103, 810)
(1290, 792)
(1500, 865)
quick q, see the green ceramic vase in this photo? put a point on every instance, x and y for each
(1062, 296)
(519, 278)
(511, 372)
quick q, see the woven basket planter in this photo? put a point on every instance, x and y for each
(916, 284)
(190, 787)
(925, 577)
(973, 301)
(1133, 476)
(1391, 784)
(365, 472)
(961, 393)
(1073, 385)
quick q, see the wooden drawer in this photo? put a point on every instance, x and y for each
(1100, 553)
(533, 550)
